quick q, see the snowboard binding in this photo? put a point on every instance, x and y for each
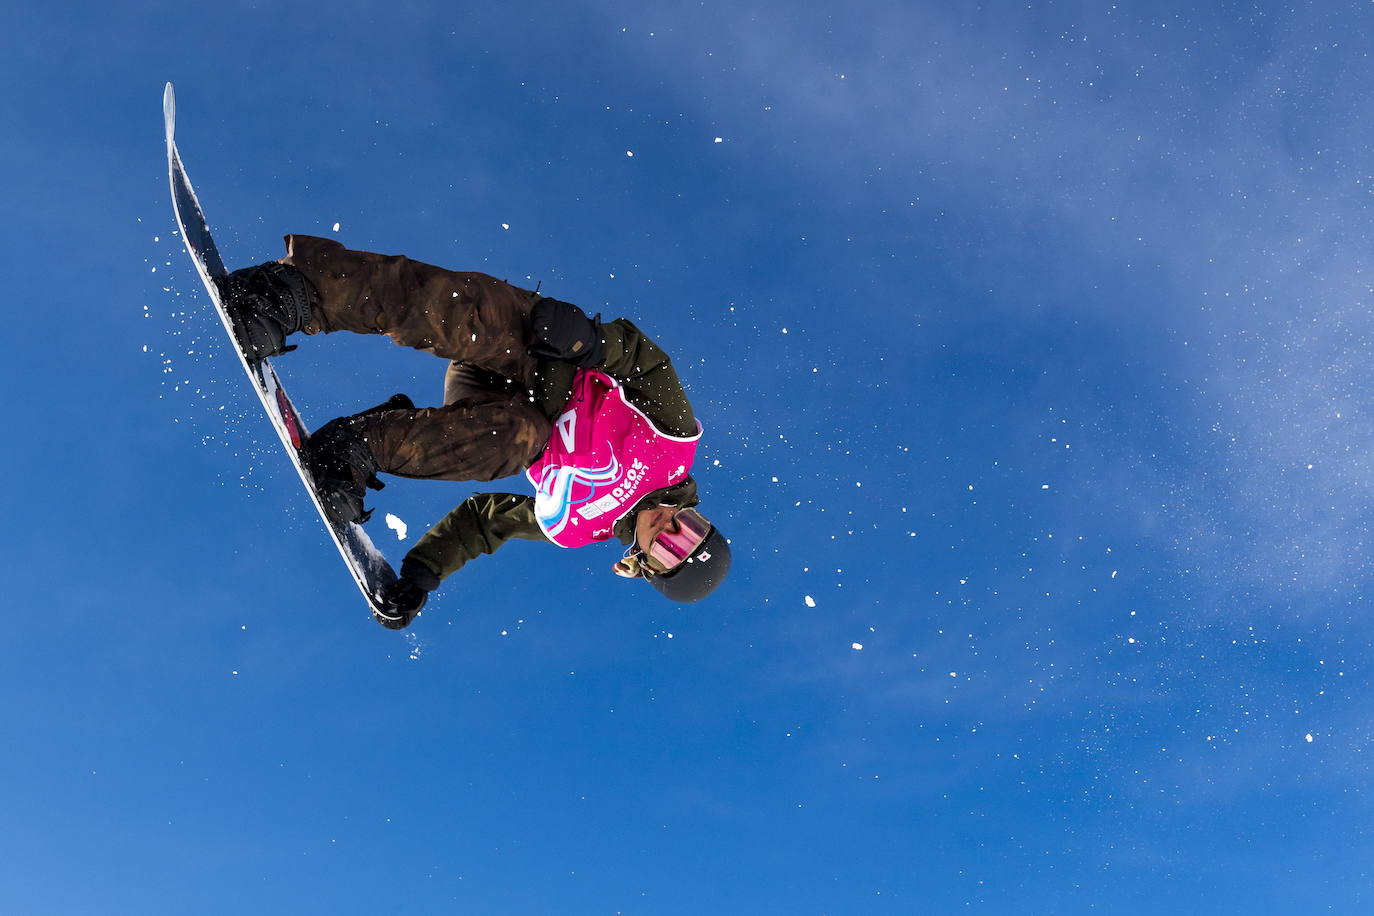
(266, 303)
(341, 463)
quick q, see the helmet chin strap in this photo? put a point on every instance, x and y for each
(629, 566)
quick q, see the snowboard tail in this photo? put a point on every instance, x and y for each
(367, 565)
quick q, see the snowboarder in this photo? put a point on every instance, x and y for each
(592, 411)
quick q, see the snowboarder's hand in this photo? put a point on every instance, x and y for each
(563, 331)
(402, 601)
(404, 597)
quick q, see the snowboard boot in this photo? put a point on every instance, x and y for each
(266, 303)
(341, 463)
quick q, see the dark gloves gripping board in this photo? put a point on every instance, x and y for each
(408, 593)
(563, 331)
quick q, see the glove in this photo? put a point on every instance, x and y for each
(401, 600)
(563, 331)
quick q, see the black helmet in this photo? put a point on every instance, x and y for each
(699, 574)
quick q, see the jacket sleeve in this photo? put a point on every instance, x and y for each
(481, 524)
(650, 381)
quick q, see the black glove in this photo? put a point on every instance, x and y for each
(401, 600)
(563, 331)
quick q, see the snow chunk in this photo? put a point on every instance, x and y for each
(396, 525)
(1308, 737)
(856, 646)
(810, 602)
(336, 227)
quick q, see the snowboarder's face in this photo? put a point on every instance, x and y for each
(649, 524)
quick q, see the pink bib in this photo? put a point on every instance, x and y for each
(604, 457)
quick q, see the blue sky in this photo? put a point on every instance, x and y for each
(1031, 343)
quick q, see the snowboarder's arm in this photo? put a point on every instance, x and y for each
(481, 524)
(650, 381)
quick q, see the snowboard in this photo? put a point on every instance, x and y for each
(367, 565)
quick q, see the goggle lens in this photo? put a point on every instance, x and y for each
(672, 547)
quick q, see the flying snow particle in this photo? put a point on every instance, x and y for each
(810, 602)
(336, 227)
(857, 646)
(396, 525)
(1308, 737)
(505, 225)
(719, 140)
(630, 153)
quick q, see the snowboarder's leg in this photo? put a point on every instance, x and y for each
(461, 316)
(483, 435)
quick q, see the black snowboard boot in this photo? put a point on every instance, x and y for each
(265, 304)
(338, 458)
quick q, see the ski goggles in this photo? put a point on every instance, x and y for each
(671, 547)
